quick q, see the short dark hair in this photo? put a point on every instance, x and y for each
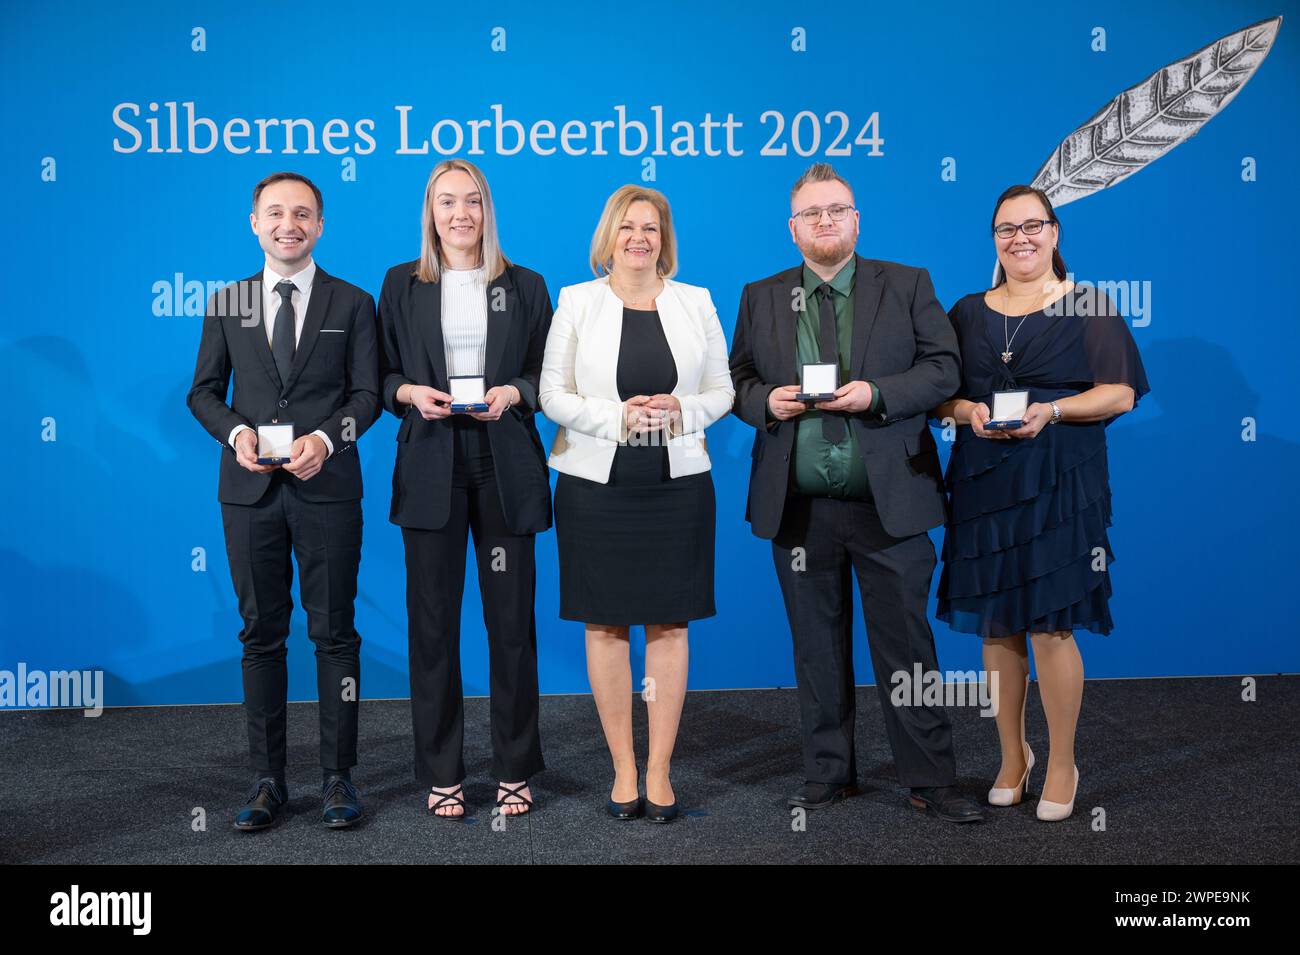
(1058, 263)
(296, 177)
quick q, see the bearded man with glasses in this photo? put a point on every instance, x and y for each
(847, 482)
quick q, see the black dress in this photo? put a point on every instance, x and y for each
(1025, 547)
(638, 550)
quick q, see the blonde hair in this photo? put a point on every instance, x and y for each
(490, 254)
(606, 235)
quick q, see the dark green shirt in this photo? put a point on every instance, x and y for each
(822, 469)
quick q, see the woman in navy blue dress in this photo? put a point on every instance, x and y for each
(1026, 552)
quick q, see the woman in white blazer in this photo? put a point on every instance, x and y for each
(635, 369)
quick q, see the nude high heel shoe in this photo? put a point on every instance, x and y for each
(1056, 811)
(999, 796)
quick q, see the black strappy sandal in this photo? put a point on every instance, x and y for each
(455, 797)
(515, 792)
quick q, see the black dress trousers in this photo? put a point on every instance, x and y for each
(838, 539)
(435, 584)
(325, 539)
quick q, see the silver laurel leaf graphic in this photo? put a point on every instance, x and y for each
(1141, 124)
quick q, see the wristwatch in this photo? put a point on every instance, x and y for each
(1056, 413)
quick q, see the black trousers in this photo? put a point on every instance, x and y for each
(325, 539)
(435, 584)
(839, 539)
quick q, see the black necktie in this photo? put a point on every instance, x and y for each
(832, 423)
(282, 345)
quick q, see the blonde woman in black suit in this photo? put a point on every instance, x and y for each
(463, 309)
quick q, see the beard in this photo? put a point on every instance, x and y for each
(827, 250)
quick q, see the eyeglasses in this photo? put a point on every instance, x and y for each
(1006, 230)
(813, 214)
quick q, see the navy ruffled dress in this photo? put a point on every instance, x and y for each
(1029, 516)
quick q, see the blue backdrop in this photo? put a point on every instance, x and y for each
(97, 559)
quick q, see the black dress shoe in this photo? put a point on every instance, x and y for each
(947, 803)
(821, 795)
(263, 806)
(657, 813)
(340, 802)
(627, 810)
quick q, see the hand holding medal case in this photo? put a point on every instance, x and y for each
(275, 442)
(819, 382)
(467, 393)
(1008, 412)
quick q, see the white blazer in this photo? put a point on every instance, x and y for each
(579, 381)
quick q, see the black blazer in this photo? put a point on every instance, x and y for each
(411, 352)
(902, 340)
(333, 385)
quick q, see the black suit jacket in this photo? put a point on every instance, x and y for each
(333, 384)
(902, 340)
(412, 352)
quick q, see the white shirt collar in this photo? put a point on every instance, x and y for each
(301, 280)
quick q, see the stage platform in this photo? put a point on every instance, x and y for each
(1183, 770)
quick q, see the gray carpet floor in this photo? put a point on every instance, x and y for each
(1172, 771)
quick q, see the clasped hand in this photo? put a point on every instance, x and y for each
(644, 414)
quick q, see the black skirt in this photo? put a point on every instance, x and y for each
(635, 552)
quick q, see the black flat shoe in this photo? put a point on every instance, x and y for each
(627, 810)
(340, 802)
(821, 795)
(263, 805)
(947, 803)
(657, 813)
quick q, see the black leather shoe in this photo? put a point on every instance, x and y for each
(340, 802)
(263, 806)
(657, 813)
(947, 803)
(627, 810)
(821, 795)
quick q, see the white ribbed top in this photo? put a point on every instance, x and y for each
(464, 319)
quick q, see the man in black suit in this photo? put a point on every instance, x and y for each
(301, 345)
(850, 485)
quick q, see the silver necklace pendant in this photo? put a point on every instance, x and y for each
(1006, 354)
